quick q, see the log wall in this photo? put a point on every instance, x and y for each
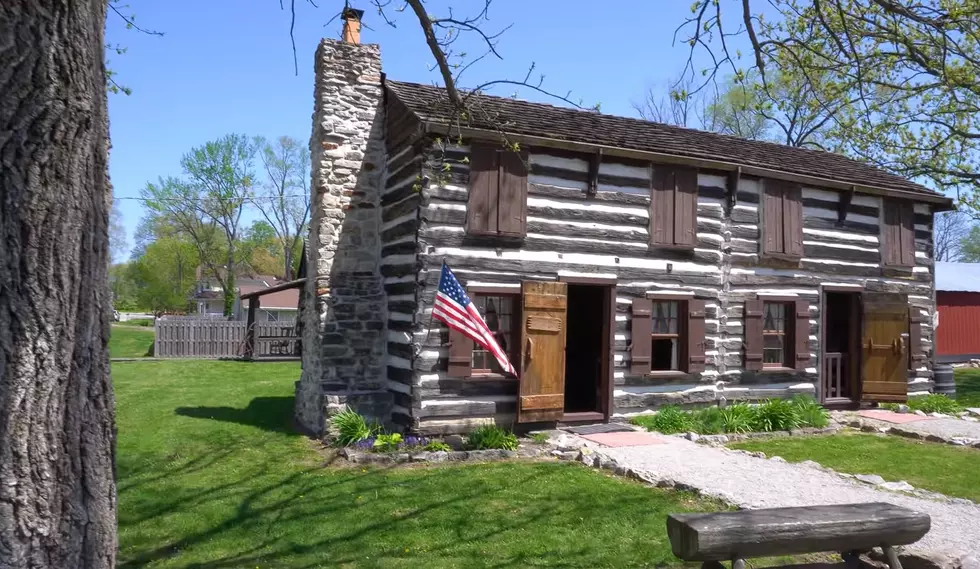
(569, 233)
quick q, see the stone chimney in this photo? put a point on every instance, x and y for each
(344, 303)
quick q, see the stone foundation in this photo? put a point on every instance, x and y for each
(344, 300)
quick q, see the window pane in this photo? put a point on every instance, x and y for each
(498, 312)
(774, 317)
(665, 317)
(772, 349)
(663, 355)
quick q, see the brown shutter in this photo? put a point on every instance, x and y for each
(917, 355)
(752, 321)
(512, 194)
(685, 206)
(662, 207)
(460, 354)
(641, 343)
(772, 217)
(695, 336)
(481, 207)
(891, 239)
(907, 234)
(793, 220)
(543, 352)
(801, 335)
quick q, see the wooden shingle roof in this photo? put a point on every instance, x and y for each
(430, 104)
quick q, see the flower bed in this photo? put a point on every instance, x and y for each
(773, 415)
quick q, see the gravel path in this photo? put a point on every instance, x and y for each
(751, 482)
(945, 428)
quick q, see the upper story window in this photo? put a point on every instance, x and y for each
(497, 203)
(898, 234)
(782, 219)
(673, 206)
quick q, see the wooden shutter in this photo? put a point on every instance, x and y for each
(801, 334)
(662, 207)
(695, 336)
(641, 343)
(752, 327)
(772, 217)
(543, 352)
(792, 220)
(481, 206)
(917, 354)
(891, 233)
(884, 369)
(906, 234)
(460, 354)
(685, 206)
(512, 194)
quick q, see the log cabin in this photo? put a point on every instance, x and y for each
(624, 265)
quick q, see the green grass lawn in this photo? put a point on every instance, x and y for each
(968, 387)
(932, 466)
(210, 476)
(130, 341)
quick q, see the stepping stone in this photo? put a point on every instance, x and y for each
(975, 411)
(626, 439)
(892, 417)
(598, 428)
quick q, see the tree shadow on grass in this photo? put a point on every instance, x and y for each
(267, 413)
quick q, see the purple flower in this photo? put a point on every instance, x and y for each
(365, 444)
(414, 441)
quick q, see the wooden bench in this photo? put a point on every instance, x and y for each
(850, 529)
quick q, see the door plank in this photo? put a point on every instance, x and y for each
(884, 347)
(542, 392)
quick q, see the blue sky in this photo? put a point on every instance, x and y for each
(227, 66)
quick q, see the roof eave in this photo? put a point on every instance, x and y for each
(940, 203)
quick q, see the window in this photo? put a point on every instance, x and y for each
(664, 352)
(776, 341)
(667, 335)
(898, 234)
(498, 312)
(782, 219)
(673, 207)
(497, 203)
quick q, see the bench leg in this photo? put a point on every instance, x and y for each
(738, 563)
(851, 559)
(892, 555)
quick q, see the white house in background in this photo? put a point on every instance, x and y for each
(208, 298)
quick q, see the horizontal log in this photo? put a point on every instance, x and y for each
(402, 248)
(814, 222)
(841, 253)
(743, 534)
(610, 217)
(465, 408)
(546, 191)
(451, 388)
(408, 204)
(407, 227)
(833, 206)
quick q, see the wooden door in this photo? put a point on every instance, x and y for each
(884, 347)
(543, 352)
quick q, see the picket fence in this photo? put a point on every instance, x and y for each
(211, 338)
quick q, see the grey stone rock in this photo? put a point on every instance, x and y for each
(920, 412)
(692, 436)
(970, 562)
(900, 486)
(777, 459)
(939, 415)
(811, 464)
(870, 479)
(455, 442)
(975, 411)
(903, 408)
(458, 455)
(508, 454)
(568, 455)
(962, 442)
(438, 456)
(556, 452)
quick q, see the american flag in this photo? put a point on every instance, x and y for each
(453, 307)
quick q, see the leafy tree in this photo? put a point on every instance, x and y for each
(124, 288)
(284, 199)
(970, 246)
(117, 233)
(950, 230)
(737, 111)
(260, 249)
(207, 206)
(165, 275)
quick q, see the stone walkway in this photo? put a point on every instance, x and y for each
(945, 428)
(750, 482)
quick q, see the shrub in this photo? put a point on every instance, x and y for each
(810, 412)
(668, 420)
(492, 437)
(737, 418)
(351, 427)
(934, 403)
(387, 443)
(776, 415)
(540, 438)
(437, 446)
(708, 421)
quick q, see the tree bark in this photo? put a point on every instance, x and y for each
(57, 440)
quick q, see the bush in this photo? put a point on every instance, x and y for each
(668, 420)
(776, 415)
(810, 412)
(491, 437)
(146, 322)
(708, 421)
(351, 427)
(934, 403)
(387, 443)
(738, 418)
(437, 446)
(540, 438)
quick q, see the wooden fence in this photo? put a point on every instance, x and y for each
(210, 338)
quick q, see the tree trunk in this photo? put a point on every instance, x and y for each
(229, 292)
(57, 441)
(287, 274)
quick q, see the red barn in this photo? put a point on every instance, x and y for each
(958, 307)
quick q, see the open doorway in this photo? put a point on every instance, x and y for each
(587, 351)
(840, 347)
